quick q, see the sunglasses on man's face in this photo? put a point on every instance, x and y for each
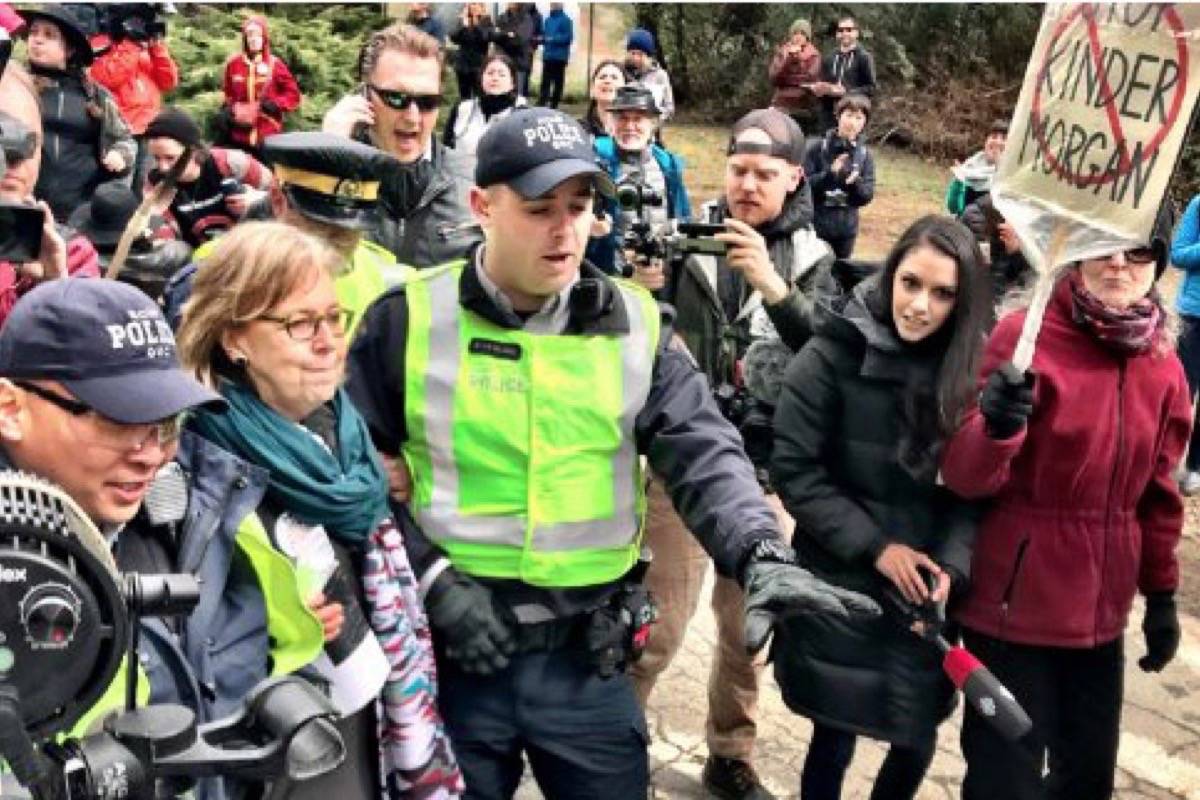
(846, 30)
(400, 101)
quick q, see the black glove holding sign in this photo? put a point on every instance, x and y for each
(1160, 626)
(1006, 402)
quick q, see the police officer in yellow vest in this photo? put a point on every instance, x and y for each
(521, 386)
(328, 186)
(92, 398)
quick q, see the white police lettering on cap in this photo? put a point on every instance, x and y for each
(556, 132)
(147, 329)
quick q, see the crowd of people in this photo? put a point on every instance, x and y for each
(521, 415)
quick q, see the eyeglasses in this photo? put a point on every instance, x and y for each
(401, 100)
(109, 433)
(1140, 256)
(304, 327)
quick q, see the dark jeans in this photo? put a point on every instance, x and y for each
(553, 77)
(1189, 354)
(829, 755)
(468, 83)
(842, 246)
(585, 737)
(1073, 697)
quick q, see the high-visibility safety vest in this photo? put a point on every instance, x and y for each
(522, 445)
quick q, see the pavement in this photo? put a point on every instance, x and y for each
(1159, 756)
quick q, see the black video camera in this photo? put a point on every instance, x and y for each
(140, 22)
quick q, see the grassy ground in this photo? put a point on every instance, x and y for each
(906, 186)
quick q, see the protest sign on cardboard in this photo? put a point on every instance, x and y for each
(1097, 132)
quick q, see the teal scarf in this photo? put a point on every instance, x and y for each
(347, 493)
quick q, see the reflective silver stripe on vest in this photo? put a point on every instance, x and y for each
(441, 518)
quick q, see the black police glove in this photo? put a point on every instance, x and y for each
(478, 632)
(1006, 402)
(271, 107)
(1160, 626)
(777, 587)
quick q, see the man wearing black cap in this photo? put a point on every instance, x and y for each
(215, 189)
(758, 295)
(92, 398)
(521, 385)
(630, 156)
(329, 186)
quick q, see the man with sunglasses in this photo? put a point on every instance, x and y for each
(849, 69)
(425, 220)
(60, 250)
(92, 398)
(521, 385)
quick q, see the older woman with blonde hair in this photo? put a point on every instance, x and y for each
(264, 328)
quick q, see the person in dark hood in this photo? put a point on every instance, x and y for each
(425, 218)
(86, 140)
(759, 292)
(259, 89)
(864, 410)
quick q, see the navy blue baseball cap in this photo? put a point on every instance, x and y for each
(107, 343)
(532, 150)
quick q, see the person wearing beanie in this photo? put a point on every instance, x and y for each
(641, 67)
(87, 142)
(214, 190)
(795, 67)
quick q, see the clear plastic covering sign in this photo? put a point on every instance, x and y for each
(1098, 129)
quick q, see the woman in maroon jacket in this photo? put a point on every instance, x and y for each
(1076, 456)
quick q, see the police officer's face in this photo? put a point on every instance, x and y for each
(21, 176)
(757, 185)
(404, 133)
(291, 372)
(534, 247)
(108, 480)
(634, 129)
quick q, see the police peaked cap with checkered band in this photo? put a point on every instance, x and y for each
(329, 178)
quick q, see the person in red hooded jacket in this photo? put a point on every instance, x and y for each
(1076, 456)
(259, 89)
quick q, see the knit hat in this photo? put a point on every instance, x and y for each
(800, 26)
(175, 123)
(640, 39)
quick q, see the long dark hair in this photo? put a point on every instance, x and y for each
(591, 115)
(936, 415)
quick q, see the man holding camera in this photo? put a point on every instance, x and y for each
(136, 68)
(758, 295)
(36, 248)
(521, 386)
(650, 189)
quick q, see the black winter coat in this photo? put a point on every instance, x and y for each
(837, 470)
(835, 201)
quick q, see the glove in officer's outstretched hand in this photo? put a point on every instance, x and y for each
(1006, 401)
(777, 587)
(479, 633)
